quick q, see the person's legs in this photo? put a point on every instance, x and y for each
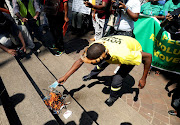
(97, 69)
(37, 32)
(26, 36)
(79, 20)
(99, 27)
(56, 24)
(59, 32)
(117, 83)
(74, 19)
(105, 26)
(94, 25)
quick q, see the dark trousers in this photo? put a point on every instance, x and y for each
(56, 23)
(34, 28)
(117, 78)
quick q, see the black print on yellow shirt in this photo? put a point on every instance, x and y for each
(112, 39)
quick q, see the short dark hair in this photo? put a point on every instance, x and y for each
(95, 51)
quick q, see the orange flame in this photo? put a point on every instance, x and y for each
(55, 101)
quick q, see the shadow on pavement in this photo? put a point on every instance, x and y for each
(9, 104)
(128, 83)
(125, 123)
(87, 118)
(126, 88)
(75, 45)
(5, 62)
(71, 92)
(52, 122)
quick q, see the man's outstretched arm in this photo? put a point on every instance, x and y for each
(73, 69)
(146, 59)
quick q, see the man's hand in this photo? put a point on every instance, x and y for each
(142, 83)
(122, 5)
(73, 69)
(23, 48)
(61, 80)
(88, 4)
(66, 19)
(12, 52)
(35, 17)
(169, 17)
(24, 20)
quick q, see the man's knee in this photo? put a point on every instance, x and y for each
(5, 41)
(117, 82)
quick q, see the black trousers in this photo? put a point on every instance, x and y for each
(117, 78)
(33, 27)
(56, 23)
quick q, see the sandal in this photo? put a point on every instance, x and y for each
(157, 73)
(149, 72)
(172, 112)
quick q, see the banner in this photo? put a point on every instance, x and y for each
(78, 6)
(155, 40)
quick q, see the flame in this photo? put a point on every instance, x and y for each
(55, 101)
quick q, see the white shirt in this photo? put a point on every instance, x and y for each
(126, 23)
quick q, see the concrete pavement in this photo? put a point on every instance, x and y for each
(25, 105)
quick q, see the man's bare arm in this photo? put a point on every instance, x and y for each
(73, 69)
(66, 19)
(146, 59)
(132, 15)
(22, 41)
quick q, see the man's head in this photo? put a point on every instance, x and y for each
(95, 53)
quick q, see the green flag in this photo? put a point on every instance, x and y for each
(155, 40)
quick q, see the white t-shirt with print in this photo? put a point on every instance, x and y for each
(126, 23)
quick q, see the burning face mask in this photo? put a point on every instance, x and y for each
(55, 101)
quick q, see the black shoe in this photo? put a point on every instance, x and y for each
(110, 101)
(88, 77)
(35, 50)
(55, 51)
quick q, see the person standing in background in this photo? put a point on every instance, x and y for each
(56, 21)
(100, 16)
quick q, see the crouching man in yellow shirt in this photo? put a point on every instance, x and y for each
(117, 49)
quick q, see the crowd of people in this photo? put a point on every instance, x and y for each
(113, 22)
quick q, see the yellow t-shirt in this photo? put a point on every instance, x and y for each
(122, 49)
